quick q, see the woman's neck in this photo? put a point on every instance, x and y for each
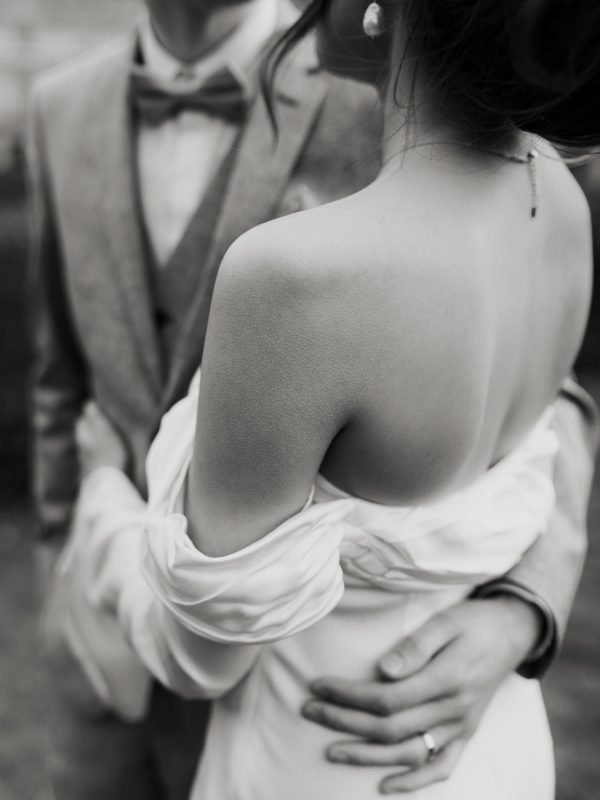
(417, 127)
(419, 124)
(410, 126)
(189, 33)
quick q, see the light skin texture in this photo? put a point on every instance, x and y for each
(211, 511)
(434, 690)
(293, 299)
(450, 667)
(289, 319)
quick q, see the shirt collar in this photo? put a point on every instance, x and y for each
(237, 52)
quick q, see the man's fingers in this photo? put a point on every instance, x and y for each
(441, 677)
(412, 653)
(439, 769)
(90, 409)
(387, 730)
(82, 432)
(384, 698)
(411, 754)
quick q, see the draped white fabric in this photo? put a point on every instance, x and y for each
(327, 592)
(276, 587)
(292, 577)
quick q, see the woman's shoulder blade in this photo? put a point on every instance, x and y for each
(367, 299)
(402, 316)
(347, 254)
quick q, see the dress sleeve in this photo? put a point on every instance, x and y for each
(99, 556)
(197, 622)
(274, 588)
(186, 663)
(194, 623)
(118, 629)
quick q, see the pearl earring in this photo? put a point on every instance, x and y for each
(373, 21)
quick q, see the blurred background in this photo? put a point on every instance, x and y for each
(34, 35)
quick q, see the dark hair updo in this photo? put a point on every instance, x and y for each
(498, 64)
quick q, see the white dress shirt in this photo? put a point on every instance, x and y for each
(178, 159)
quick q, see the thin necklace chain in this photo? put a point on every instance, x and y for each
(529, 159)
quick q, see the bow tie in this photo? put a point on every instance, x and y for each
(222, 95)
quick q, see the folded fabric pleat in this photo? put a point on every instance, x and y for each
(275, 587)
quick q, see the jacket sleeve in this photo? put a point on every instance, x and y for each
(59, 380)
(549, 573)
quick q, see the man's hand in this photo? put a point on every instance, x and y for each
(437, 680)
(98, 442)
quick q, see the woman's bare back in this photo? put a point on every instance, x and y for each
(459, 313)
(400, 341)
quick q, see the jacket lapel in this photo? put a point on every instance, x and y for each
(260, 174)
(123, 220)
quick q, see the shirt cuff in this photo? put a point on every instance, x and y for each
(545, 650)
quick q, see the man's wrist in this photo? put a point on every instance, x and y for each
(526, 624)
(537, 660)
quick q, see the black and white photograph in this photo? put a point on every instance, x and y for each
(299, 399)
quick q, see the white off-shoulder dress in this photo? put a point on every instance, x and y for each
(326, 593)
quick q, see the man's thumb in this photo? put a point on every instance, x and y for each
(414, 652)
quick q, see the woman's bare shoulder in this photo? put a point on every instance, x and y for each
(365, 292)
(295, 246)
(367, 324)
(284, 287)
(294, 268)
(342, 245)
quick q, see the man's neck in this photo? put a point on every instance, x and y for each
(189, 34)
